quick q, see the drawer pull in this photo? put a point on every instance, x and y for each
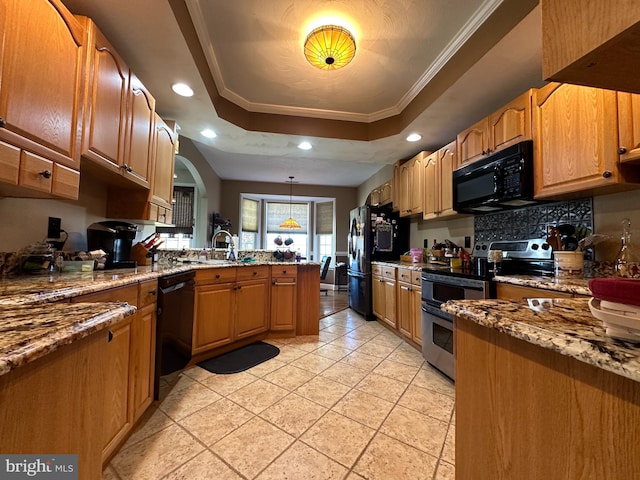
(275, 283)
(622, 150)
(607, 174)
(109, 336)
(152, 292)
(45, 173)
(3, 122)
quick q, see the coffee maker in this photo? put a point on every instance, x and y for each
(115, 238)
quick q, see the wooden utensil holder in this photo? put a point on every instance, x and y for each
(141, 255)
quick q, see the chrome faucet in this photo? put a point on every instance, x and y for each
(218, 232)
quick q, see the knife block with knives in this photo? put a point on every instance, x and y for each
(143, 252)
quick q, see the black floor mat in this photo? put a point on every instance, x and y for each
(241, 359)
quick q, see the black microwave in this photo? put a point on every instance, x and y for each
(500, 181)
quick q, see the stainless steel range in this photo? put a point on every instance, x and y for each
(442, 283)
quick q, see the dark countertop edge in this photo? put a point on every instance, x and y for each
(129, 276)
(64, 336)
(542, 337)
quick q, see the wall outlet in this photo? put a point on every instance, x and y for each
(53, 229)
(467, 242)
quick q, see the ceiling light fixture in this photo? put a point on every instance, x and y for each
(304, 146)
(329, 47)
(208, 133)
(414, 137)
(182, 89)
(290, 223)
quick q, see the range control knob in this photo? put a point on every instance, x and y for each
(545, 246)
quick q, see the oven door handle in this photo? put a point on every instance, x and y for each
(436, 311)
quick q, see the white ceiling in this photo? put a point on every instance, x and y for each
(253, 52)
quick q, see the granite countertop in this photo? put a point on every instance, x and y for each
(562, 325)
(32, 324)
(576, 286)
(397, 263)
(29, 332)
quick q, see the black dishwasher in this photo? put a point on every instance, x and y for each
(174, 328)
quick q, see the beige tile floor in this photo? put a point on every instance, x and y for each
(355, 402)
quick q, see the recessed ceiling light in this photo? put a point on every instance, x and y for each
(208, 133)
(182, 89)
(414, 137)
(304, 146)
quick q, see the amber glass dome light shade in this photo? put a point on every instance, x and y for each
(290, 223)
(329, 47)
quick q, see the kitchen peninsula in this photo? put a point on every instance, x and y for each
(76, 373)
(543, 393)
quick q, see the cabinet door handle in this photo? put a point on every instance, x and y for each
(622, 150)
(3, 122)
(45, 173)
(151, 292)
(607, 174)
(109, 336)
(276, 284)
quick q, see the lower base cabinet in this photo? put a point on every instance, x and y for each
(73, 384)
(283, 298)
(128, 369)
(523, 411)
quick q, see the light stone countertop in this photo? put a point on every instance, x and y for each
(576, 286)
(563, 325)
(32, 324)
(29, 332)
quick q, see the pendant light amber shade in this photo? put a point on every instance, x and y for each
(329, 47)
(290, 223)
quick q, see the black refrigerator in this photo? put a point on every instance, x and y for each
(375, 233)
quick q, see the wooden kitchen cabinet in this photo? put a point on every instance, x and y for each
(592, 43)
(118, 415)
(411, 185)
(103, 139)
(629, 127)
(231, 304)
(409, 300)
(283, 298)
(54, 405)
(576, 145)
(384, 294)
(404, 301)
(43, 119)
(416, 309)
(382, 194)
(438, 183)
(523, 411)
(154, 204)
(252, 301)
(213, 316)
(507, 126)
(131, 360)
(396, 187)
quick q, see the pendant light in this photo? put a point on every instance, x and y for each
(290, 223)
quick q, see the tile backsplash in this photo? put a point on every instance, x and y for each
(534, 221)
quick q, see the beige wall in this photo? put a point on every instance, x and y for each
(24, 220)
(346, 199)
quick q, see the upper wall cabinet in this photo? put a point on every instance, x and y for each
(629, 126)
(411, 185)
(382, 194)
(438, 184)
(592, 43)
(118, 127)
(576, 143)
(43, 72)
(508, 125)
(153, 204)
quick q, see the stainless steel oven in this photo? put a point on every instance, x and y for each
(438, 332)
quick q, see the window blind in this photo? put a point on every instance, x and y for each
(183, 212)
(278, 212)
(324, 218)
(250, 215)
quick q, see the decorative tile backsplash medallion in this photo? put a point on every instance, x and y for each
(534, 221)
